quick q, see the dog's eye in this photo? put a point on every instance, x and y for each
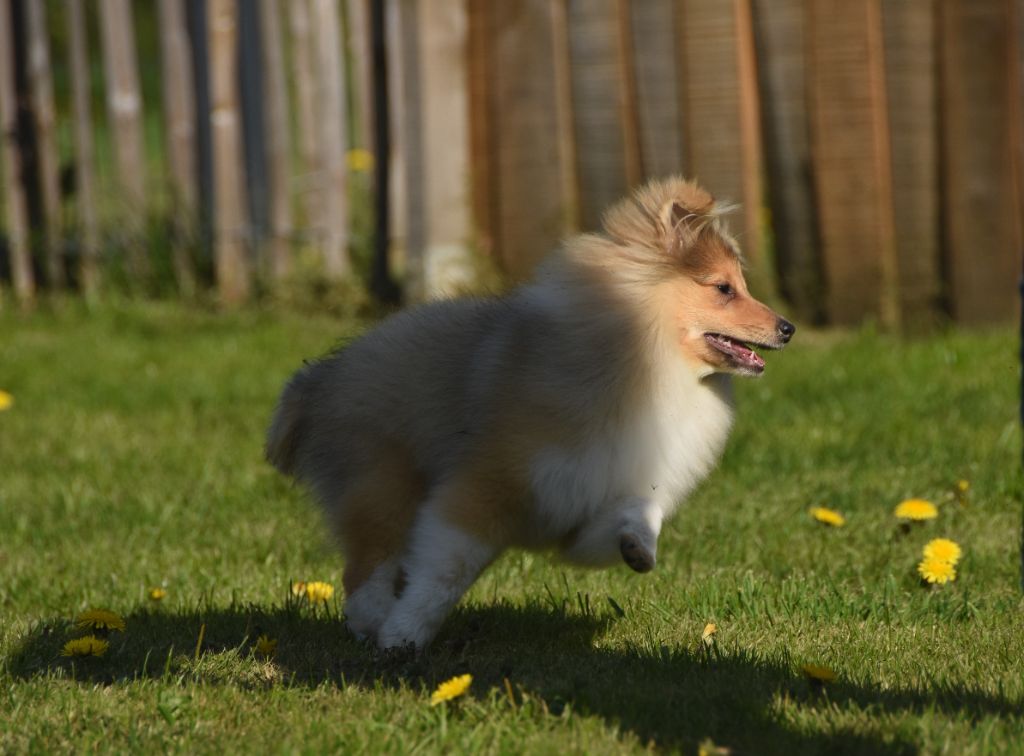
(724, 288)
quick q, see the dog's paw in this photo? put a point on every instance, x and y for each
(635, 554)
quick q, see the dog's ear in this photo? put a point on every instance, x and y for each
(681, 223)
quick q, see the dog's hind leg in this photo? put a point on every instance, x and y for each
(444, 559)
(372, 520)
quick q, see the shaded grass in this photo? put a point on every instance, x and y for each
(132, 458)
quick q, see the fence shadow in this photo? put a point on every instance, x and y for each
(670, 697)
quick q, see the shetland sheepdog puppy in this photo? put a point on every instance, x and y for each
(572, 414)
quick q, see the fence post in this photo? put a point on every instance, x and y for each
(124, 105)
(179, 134)
(85, 153)
(850, 149)
(331, 119)
(911, 77)
(278, 144)
(16, 205)
(40, 75)
(232, 264)
(980, 209)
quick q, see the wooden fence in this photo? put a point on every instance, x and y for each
(876, 147)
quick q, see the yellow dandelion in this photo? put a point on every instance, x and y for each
(936, 571)
(318, 591)
(90, 645)
(6, 400)
(100, 619)
(916, 509)
(157, 594)
(450, 689)
(359, 161)
(963, 486)
(943, 550)
(818, 673)
(708, 636)
(828, 516)
(266, 646)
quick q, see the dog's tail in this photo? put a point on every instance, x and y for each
(286, 428)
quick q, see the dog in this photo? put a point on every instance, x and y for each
(572, 414)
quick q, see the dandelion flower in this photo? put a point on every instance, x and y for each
(450, 689)
(963, 486)
(936, 571)
(916, 509)
(318, 591)
(90, 645)
(828, 517)
(943, 550)
(708, 636)
(266, 646)
(6, 400)
(818, 673)
(157, 594)
(100, 619)
(359, 161)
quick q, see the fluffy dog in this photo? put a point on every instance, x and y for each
(572, 414)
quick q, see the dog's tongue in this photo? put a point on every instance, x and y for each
(737, 349)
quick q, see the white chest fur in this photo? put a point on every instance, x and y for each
(659, 453)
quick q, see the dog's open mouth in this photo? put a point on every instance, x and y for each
(742, 356)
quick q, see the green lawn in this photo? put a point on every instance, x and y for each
(131, 458)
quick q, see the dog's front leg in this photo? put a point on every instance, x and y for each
(629, 530)
(443, 561)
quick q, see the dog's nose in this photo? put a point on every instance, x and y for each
(786, 330)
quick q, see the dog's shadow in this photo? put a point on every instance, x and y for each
(671, 697)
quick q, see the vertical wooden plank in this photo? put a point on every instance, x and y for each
(278, 144)
(331, 118)
(357, 25)
(40, 77)
(124, 99)
(397, 53)
(980, 207)
(84, 149)
(483, 145)
(629, 114)
(597, 85)
(911, 73)
(779, 31)
(657, 87)
(851, 159)
(303, 80)
(445, 266)
(565, 118)
(179, 134)
(15, 202)
(721, 114)
(406, 105)
(530, 130)
(232, 265)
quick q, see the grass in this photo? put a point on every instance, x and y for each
(132, 458)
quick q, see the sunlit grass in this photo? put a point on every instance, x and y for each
(132, 459)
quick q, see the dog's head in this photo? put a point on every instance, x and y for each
(700, 294)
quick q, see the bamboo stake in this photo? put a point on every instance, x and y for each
(277, 139)
(333, 136)
(228, 182)
(16, 206)
(179, 133)
(40, 75)
(85, 156)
